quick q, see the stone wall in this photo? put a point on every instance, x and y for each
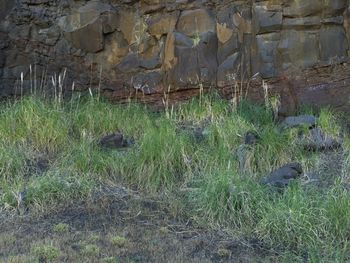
(154, 47)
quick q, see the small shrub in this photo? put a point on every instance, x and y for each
(224, 253)
(61, 228)
(94, 238)
(7, 240)
(118, 241)
(91, 250)
(46, 253)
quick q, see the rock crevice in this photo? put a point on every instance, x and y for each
(156, 47)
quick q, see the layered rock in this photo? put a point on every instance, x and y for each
(167, 49)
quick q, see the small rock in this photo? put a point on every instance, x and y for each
(115, 141)
(284, 175)
(295, 121)
(251, 138)
(199, 135)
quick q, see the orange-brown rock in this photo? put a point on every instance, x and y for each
(154, 49)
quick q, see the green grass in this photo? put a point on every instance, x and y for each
(301, 222)
(61, 228)
(45, 253)
(118, 241)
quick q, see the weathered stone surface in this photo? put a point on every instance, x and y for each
(299, 48)
(297, 8)
(145, 49)
(302, 22)
(207, 60)
(186, 73)
(267, 18)
(228, 71)
(333, 43)
(5, 7)
(195, 22)
(148, 83)
(162, 24)
(228, 48)
(85, 28)
(319, 87)
(224, 33)
(333, 8)
(267, 49)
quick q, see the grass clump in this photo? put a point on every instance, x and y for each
(7, 240)
(34, 122)
(20, 259)
(61, 228)
(118, 241)
(110, 260)
(46, 253)
(52, 188)
(91, 250)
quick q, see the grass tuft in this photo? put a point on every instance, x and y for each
(46, 253)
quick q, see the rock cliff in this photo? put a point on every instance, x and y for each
(174, 48)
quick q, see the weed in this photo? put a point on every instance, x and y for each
(46, 253)
(94, 238)
(7, 240)
(91, 250)
(224, 253)
(110, 260)
(119, 241)
(61, 228)
(20, 259)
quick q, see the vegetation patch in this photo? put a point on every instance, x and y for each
(196, 160)
(45, 253)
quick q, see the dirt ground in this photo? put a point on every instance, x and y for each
(151, 233)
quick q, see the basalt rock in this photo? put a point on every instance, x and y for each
(152, 49)
(284, 175)
(251, 138)
(115, 141)
(301, 120)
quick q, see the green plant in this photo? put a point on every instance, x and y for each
(45, 253)
(20, 259)
(110, 260)
(118, 241)
(91, 250)
(61, 228)
(197, 179)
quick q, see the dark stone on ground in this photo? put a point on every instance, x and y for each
(251, 138)
(115, 141)
(199, 134)
(284, 175)
(301, 120)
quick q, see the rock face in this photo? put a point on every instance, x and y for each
(157, 50)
